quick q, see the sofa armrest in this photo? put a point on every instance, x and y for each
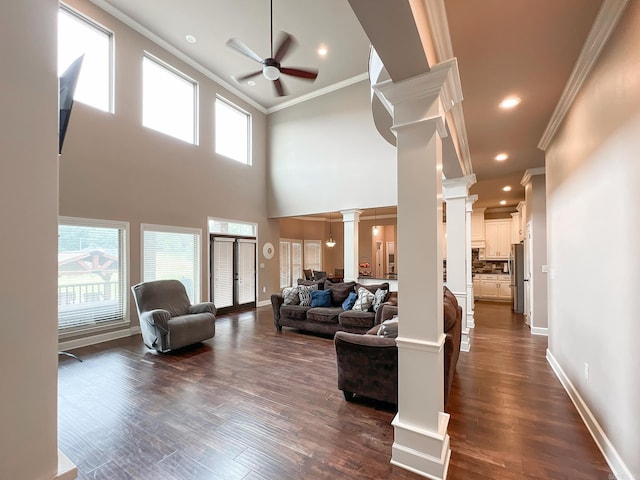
(385, 312)
(204, 307)
(367, 365)
(276, 301)
(157, 318)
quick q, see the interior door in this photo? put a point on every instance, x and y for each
(527, 276)
(233, 272)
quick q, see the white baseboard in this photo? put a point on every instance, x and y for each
(612, 457)
(263, 303)
(471, 320)
(66, 469)
(540, 331)
(101, 337)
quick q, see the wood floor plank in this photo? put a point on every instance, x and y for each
(255, 404)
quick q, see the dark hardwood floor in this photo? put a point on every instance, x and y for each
(254, 404)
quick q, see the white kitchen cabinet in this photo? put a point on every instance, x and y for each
(477, 227)
(497, 236)
(492, 286)
(515, 227)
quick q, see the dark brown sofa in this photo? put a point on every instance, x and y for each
(368, 364)
(329, 320)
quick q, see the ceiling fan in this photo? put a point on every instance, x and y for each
(271, 67)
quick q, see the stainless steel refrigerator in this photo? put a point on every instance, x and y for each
(516, 270)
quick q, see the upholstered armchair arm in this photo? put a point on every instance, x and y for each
(204, 307)
(386, 311)
(157, 318)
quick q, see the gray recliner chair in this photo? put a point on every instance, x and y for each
(167, 319)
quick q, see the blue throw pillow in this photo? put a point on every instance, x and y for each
(320, 298)
(349, 302)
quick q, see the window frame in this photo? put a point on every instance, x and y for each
(63, 7)
(124, 275)
(315, 243)
(196, 96)
(249, 153)
(197, 285)
(292, 274)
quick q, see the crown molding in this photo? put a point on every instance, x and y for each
(603, 26)
(318, 93)
(526, 178)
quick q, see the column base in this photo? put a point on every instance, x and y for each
(421, 451)
(465, 343)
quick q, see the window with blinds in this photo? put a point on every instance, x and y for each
(172, 253)
(92, 274)
(223, 272)
(290, 261)
(313, 254)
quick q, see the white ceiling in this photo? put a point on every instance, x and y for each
(523, 47)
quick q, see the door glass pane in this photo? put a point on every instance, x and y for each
(246, 272)
(285, 263)
(222, 273)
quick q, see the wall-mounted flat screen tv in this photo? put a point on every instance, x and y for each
(67, 87)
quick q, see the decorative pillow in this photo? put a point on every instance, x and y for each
(389, 328)
(364, 301)
(373, 288)
(304, 292)
(290, 295)
(348, 303)
(380, 297)
(320, 298)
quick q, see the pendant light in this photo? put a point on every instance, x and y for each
(375, 226)
(331, 242)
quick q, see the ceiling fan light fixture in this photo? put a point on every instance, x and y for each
(270, 72)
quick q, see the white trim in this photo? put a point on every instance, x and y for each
(603, 26)
(263, 303)
(422, 345)
(609, 452)
(540, 331)
(526, 178)
(249, 153)
(66, 469)
(318, 93)
(100, 338)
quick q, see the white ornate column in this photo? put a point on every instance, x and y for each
(419, 105)
(455, 192)
(351, 219)
(471, 323)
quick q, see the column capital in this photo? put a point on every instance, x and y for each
(351, 215)
(457, 187)
(526, 178)
(471, 199)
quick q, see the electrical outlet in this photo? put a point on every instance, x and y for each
(264, 289)
(586, 371)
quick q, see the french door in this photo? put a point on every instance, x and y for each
(233, 273)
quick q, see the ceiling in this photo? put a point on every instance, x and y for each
(522, 47)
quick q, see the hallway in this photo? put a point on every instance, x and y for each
(510, 416)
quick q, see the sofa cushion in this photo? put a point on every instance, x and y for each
(308, 283)
(290, 296)
(354, 318)
(339, 291)
(320, 298)
(373, 288)
(348, 303)
(364, 301)
(324, 314)
(304, 292)
(295, 312)
(389, 328)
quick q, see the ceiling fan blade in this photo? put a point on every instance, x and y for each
(280, 90)
(286, 42)
(247, 76)
(243, 49)
(300, 73)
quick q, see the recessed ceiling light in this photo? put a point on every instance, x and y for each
(503, 202)
(510, 102)
(507, 188)
(501, 157)
(190, 38)
(251, 83)
(322, 51)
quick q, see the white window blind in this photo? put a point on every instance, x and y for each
(285, 263)
(296, 259)
(246, 271)
(223, 272)
(313, 254)
(92, 273)
(172, 253)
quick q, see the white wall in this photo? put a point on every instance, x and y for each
(326, 155)
(114, 168)
(593, 199)
(28, 246)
